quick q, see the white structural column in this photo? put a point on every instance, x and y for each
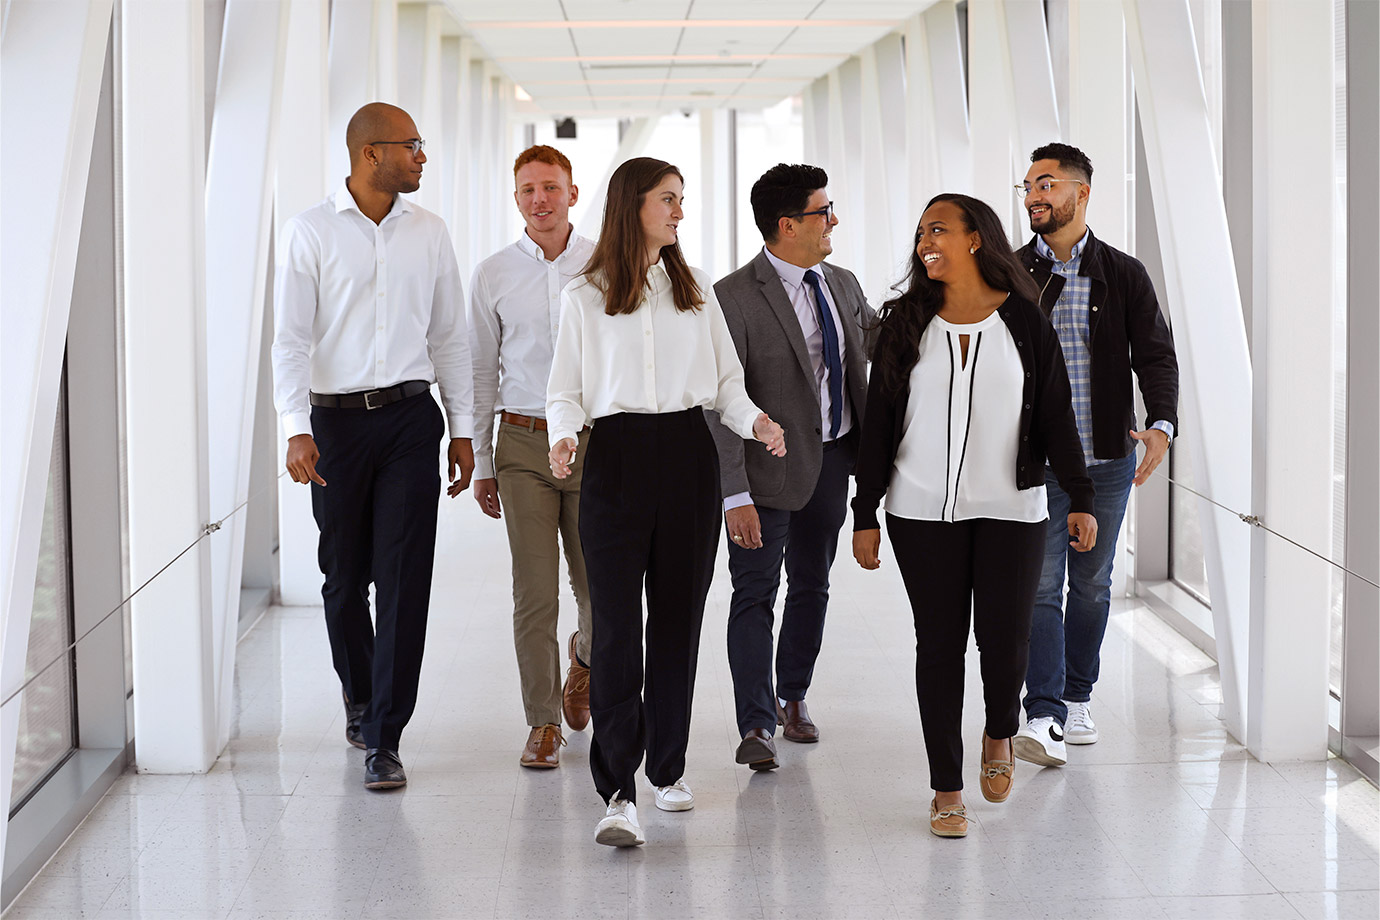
(937, 149)
(459, 100)
(51, 61)
(1205, 306)
(385, 48)
(1032, 78)
(163, 73)
(716, 180)
(353, 73)
(304, 140)
(992, 110)
(239, 212)
(888, 231)
(814, 117)
(1098, 111)
(1292, 354)
(419, 91)
(634, 143)
(846, 165)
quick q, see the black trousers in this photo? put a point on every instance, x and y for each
(649, 514)
(807, 541)
(993, 568)
(377, 514)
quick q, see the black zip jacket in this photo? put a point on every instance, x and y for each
(1048, 428)
(1126, 332)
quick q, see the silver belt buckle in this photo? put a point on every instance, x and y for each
(368, 404)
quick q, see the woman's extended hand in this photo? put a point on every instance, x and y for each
(770, 434)
(1083, 529)
(866, 544)
(562, 456)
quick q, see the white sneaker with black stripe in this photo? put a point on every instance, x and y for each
(1079, 729)
(1041, 741)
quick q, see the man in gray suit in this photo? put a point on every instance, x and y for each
(799, 325)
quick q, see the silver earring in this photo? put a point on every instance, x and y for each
(972, 250)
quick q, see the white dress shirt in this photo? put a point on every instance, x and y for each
(802, 300)
(957, 456)
(654, 360)
(514, 312)
(362, 306)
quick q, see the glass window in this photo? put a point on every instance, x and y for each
(47, 717)
(1187, 564)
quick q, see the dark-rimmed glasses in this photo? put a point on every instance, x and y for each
(827, 212)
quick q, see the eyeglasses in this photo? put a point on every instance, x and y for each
(1043, 185)
(417, 144)
(827, 212)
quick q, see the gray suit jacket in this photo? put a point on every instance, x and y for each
(781, 380)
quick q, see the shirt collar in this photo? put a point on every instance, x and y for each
(344, 201)
(793, 275)
(1043, 250)
(529, 245)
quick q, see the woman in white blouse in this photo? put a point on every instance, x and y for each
(968, 397)
(642, 350)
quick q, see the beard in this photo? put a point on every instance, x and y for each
(1057, 219)
(393, 178)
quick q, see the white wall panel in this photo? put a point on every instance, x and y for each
(51, 59)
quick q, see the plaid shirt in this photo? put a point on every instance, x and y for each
(1070, 319)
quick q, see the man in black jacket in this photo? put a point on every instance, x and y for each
(1103, 306)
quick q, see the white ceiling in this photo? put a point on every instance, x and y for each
(635, 57)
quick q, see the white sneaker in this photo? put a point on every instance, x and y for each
(1079, 729)
(675, 797)
(1041, 741)
(619, 827)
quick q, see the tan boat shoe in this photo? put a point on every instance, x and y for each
(996, 776)
(949, 821)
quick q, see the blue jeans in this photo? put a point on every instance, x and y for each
(1066, 638)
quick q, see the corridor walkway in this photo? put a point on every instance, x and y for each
(1166, 817)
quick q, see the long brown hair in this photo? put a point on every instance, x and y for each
(918, 298)
(616, 267)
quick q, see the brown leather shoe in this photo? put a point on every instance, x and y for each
(795, 720)
(949, 821)
(757, 750)
(575, 693)
(995, 777)
(543, 747)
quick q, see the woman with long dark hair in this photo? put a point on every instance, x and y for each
(968, 396)
(642, 350)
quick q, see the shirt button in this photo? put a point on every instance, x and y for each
(1020, 344)
(380, 329)
(1094, 308)
(1027, 405)
(649, 367)
(1025, 437)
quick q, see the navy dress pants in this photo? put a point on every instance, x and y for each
(377, 514)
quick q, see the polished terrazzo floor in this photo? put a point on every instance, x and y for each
(1166, 817)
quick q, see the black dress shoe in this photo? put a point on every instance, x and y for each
(354, 715)
(757, 750)
(383, 769)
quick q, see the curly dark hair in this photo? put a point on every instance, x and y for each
(1069, 157)
(904, 317)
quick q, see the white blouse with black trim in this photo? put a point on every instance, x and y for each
(962, 426)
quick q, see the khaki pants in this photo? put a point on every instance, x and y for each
(536, 507)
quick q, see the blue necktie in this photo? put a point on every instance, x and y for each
(831, 355)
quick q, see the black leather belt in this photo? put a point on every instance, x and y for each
(370, 399)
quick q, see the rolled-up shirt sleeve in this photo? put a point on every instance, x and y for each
(565, 411)
(737, 410)
(294, 313)
(485, 336)
(448, 344)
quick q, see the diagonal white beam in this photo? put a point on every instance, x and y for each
(239, 210)
(51, 60)
(1204, 304)
(634, 143)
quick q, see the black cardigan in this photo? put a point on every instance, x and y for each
(1048, 428)
(1126, 332)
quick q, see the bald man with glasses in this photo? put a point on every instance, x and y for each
(369, 314)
